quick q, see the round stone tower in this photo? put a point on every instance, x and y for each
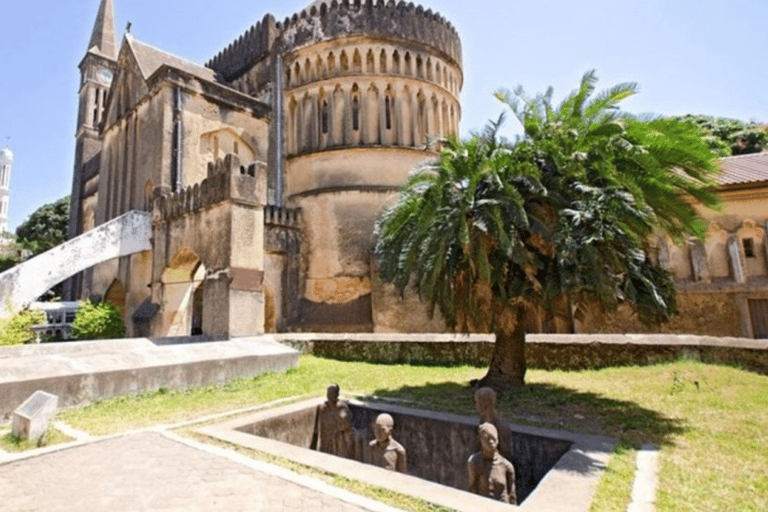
(367, 87)
(366, 90)
(6, 164)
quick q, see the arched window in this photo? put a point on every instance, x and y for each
(357, 62)
(383, 62)
(344, 62)
(388, 112)
(396, 63)
(331, 64)
(370, 66)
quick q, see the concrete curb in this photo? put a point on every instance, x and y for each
(646, 480)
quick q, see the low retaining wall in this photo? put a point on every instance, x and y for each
(543, 351)
(81, 372)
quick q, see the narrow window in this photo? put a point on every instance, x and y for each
(236, 148)
(749, 247)
(388, 112)
(324, 117)
(355, 113)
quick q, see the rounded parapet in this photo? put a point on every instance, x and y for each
(329, 20)
(333, 19)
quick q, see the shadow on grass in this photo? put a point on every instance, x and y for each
(550, 406)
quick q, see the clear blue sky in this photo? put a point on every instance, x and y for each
(688, 56)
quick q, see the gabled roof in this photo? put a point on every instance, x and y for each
(103, 41)
(742, 169)
(150, 59)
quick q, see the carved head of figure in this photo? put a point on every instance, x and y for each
(383, 428)
(485, 403)
(489, 439)
(332, 394)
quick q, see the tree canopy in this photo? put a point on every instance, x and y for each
(559, 220)
(728, 136)
(45, 228)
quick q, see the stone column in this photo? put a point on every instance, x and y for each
(699, 263)
(236, 294)
(736, 258)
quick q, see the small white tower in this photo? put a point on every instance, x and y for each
(6, 164)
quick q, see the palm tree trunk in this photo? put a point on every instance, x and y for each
(507, 369)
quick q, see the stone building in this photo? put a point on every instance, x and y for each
(722, 283)
(264, 169)
(6, 166)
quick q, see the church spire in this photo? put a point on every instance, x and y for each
(103, 36)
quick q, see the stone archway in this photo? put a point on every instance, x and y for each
(115, 295)
(182, 282)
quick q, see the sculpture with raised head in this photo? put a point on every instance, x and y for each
(485, 403)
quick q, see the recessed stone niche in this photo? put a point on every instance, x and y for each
(555, 470)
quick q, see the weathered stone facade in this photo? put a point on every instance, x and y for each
(722, 283)
(264, 170)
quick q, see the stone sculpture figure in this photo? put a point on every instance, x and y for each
(329, 421)
(348, 442)
(384, 451)
(485, 403)
(489, 473)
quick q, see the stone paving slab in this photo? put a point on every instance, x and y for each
(149, 472)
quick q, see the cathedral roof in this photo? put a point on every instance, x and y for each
(103, 39)
(150, 59)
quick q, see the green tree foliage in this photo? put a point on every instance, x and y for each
(16, 329)
(8, 261)
(558, 220)
(45, 228)
(95, 321)
(731, 136)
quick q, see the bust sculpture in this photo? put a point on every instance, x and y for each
(384, 451)
(489, 473)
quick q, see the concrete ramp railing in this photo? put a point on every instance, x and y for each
(128, 234)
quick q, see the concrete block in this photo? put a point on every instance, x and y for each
(31, 419)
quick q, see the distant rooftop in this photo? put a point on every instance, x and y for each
(742, 169)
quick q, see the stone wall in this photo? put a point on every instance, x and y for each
(543, 351)
(705, 314)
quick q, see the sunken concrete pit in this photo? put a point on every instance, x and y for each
(555, 470)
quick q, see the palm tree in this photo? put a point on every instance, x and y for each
(559, 220)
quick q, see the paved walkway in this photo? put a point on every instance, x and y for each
(153, 471)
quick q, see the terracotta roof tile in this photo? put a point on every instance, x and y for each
(743, 169)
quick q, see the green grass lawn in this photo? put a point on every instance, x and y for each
(710, 422)
(12, 444)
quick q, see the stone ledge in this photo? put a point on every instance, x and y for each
(569, 485)
(81, 373)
